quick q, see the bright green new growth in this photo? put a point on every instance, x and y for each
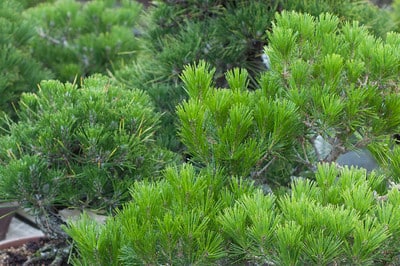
(79, 147)
(328, 80)
(238, 130)
(80, 39)
(225, 33)
(342, 79)
(205, 219)
(168, 222)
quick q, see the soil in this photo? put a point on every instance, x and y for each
(20, 255)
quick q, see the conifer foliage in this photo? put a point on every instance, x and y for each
(206, 219)
(343, 80)
(82, 38)
(80, 148)
(226, 34)
(324, 83)
(19, 71)
(237, 129)
(260, 185)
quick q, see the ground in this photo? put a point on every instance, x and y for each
(27, 254)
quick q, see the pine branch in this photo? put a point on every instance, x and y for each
(42, 34)
(257, 174)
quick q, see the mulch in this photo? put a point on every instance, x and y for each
(19, 255)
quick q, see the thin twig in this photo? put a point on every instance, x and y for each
(258, 173)
(42, 34)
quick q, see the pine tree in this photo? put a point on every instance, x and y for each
(78, 148)
(208, 218)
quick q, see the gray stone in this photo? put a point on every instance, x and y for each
(361, 158)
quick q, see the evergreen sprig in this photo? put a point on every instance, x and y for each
(235, 129)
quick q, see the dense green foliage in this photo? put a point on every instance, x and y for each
(206, 219)
(32, 3)
(19, 71)
(79, 148)
(395, 14)
(79, 39)
(324, 82)
(376, 20)
(343, 80)
(226, 34)
(260, 186)
(238, 130)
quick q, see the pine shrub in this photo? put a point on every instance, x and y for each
(79, 148)
(342, 79)
(226, 34)
(325, 83)
(239, 130)
(207, 218)
(168, 222)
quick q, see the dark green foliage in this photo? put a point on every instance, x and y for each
(225, 33)
(32, 3)
(79, 39)
(19, 71)
(377, 20)
(80, 148)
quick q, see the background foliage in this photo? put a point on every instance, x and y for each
(80, 39)
(19, 71)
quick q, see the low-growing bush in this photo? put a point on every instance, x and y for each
(79, 148)
(168, 222)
